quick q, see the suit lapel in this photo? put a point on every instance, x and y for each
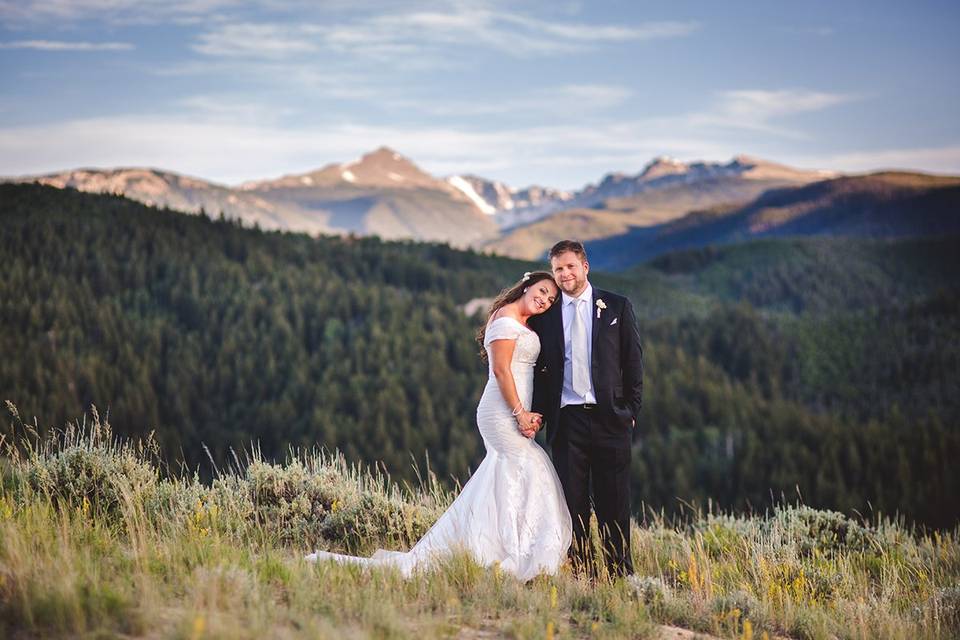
(556, 328)
(595, 322)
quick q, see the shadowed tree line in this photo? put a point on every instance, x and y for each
(214, 334)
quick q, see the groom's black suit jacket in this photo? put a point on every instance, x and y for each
(616, 366)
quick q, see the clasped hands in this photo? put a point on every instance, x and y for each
(529, 423)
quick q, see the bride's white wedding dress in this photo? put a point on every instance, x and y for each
(512, 510)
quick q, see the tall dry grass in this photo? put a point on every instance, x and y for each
(97, 538)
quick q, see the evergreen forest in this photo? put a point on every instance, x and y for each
(824, 370)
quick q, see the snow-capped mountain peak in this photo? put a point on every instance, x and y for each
(467, 188)
(509, 205)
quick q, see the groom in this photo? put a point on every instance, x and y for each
(587, 385)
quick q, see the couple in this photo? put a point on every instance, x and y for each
(564, 356)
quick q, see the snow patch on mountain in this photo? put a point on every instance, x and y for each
(467, 189)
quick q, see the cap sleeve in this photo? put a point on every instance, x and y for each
(503, 328)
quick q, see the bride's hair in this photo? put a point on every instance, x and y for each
(505, 297)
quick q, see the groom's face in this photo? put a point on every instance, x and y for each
(570, 272)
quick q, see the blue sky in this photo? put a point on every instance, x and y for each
(552, 93)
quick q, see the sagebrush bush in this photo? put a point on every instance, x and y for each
(813, 529)
(650, 590)
(745, 604)
(289, 501)
(948, 607)
(313, 499)
(89, 468)
(91, 529)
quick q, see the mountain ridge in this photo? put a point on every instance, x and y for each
(877, 205)
(382, 193)
(387, 194)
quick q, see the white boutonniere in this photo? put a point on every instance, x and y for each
(600, 306)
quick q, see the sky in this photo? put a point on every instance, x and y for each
(550, 93)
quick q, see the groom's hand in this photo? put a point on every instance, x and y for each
(530, 423)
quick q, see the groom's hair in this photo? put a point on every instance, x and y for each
(568, 245)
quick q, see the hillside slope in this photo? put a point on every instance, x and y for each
(665, 190)
(881, 205)
(218, 336)
(146, 554)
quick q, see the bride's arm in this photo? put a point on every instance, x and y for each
(502, 353)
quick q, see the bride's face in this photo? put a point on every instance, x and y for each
(539, 296)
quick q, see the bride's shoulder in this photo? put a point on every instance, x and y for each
(504, 328)
(507, 320)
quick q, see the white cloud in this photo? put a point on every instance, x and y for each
(596, 33)
(394, 36)
(234, 108)
(557, 155)
(309, 82)
(758, 109)
(57, 45)
(757, 103)
(566, 156)
(114, 11)
(945, 159)
(255, 40)
(565, 100)
(230, 138)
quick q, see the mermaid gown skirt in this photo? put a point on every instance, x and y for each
(511, 511)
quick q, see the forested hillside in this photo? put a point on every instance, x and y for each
(816, 373)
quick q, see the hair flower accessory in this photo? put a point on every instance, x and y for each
(526, 276)
(600, 305)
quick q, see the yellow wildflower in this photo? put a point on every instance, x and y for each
(6, 509)
(199, 626)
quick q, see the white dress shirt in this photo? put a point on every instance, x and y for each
(568, 395)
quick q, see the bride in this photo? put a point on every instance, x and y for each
(512, 510)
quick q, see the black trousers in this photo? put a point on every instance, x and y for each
(594, 468)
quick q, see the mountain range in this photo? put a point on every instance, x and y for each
(382, 193)
(879, 205)
(666, 189)
(626, 217)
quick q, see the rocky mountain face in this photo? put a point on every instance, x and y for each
(514, 209)
(666, 172)
(382, 193)
(627, 217)
(666, 189)
(508, 205)
(183, 193)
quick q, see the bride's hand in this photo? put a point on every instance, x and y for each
(529, 423)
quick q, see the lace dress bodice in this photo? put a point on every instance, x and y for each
(494, 417)
(527, 348)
